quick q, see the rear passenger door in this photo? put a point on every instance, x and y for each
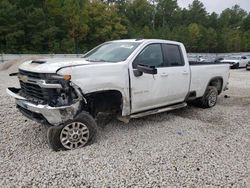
(178, 72)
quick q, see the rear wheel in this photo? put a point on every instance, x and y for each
(210, 98)
(73, 134)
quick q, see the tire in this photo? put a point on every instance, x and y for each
(237, 66)
(209, 99)
(73, 134)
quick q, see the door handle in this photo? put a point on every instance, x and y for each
(185, 73)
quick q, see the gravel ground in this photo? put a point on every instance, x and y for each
(190, 147)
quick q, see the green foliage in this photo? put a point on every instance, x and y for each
(166, 9)
(74, 26)
(246, 23)
(194, 35)
(197, 13)
(75, 16)
(246, 40)
(104, 24)
(140, 13)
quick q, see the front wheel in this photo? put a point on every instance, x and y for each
(73, 134)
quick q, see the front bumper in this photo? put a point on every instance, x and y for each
(42, 113)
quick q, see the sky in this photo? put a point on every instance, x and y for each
(218, 5)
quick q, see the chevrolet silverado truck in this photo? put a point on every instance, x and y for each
(129, 78)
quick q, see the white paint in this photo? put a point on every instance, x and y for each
(170, 85)
(52, 64)
(167, 87)
(201, 75)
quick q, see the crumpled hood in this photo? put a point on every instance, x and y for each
(51, 65)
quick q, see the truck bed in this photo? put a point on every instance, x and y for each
(203, 72)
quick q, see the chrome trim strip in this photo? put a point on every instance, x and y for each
(41, 83)
(12, 94)
(54, 115)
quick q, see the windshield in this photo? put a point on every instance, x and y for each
(232, 58)
(112, 52)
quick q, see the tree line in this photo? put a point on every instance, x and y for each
(75, 26)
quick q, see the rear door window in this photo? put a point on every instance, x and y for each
(172, 54)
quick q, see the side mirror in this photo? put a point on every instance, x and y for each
(146, 69)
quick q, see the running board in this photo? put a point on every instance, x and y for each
(158, 110)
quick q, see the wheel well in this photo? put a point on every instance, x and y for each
(109, 101)
(217, 82)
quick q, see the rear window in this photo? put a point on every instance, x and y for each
(173, 55)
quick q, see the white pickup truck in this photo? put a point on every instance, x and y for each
(130, 78)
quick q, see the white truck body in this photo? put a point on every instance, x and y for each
(169, 86)
(135, 89)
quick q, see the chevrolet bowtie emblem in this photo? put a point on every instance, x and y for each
(23, 78)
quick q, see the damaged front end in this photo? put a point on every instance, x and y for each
(47, 98)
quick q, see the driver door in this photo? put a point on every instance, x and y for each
(149, 90)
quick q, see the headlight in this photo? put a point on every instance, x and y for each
(57, 79)
(66, 77)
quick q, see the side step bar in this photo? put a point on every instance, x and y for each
(158, 110)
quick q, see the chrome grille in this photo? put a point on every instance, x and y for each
(32, 90)
(35, 93)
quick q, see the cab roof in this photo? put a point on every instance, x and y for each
(147, 40)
